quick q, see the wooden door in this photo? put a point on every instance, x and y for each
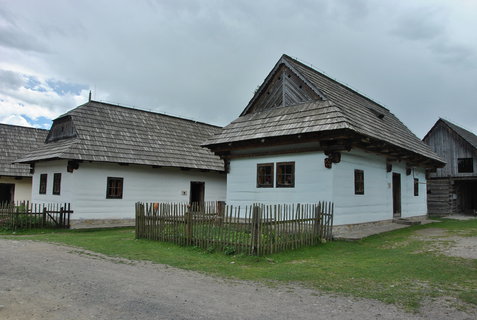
(396, 195)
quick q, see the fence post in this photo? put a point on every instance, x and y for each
(256, 230)
(140, 220)
(316, 227)
(220, 212)
(69, 214)
(62, 222)
(188, 226)
(43, 216)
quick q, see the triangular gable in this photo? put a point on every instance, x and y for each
(466, 136)
(284, 86)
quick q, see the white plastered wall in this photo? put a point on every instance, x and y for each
(314, 182)
(85, 188)
(377, 202)
(22, 187)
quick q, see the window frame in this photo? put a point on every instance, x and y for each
(265, 165)
(280, 176)
(112, 191)
(465, 165)
(43, 183)
(56, 184)
(358, 182)
(416, 187)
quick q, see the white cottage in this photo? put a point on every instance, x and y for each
(304, 138)
(102, 158)
(16, 178)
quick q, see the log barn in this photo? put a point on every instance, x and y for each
(305, 137)
(453, 188)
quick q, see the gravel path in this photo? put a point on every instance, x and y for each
(45, 281)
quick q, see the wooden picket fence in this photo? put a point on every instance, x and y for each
(256, 229)
(26, 215)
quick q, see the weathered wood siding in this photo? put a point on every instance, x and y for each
(440, 195)
(85, 188)
(314, 182)
(447, 144)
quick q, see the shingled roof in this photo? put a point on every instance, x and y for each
(295, 99)
(103, 132)
(14, 142)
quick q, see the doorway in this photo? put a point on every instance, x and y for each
(197, 192)
(396, 195)
(7, 192)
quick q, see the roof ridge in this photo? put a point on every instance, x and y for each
(141, 110)
(321, 73)
(23, 127)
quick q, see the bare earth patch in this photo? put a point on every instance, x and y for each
(448, 244)
(46, 281)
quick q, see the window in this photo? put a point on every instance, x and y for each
(56, 183)
(265, 175)
(465, 165)
(285, 174)
(358, 182)
(43, 178)
(114, 189)
(416, 187)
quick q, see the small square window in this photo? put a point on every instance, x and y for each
(265, 175)
(465, 165)
(358, 182)
(57, 183)
(285, 174)
(43, 181)
(114, 189)
(416, 187)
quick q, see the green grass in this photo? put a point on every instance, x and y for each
(395, 267)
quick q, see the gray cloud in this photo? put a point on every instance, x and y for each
(203, 60)
(10, 80)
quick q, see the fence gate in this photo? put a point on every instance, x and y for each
(26, 215)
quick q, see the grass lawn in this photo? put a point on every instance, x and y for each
(395, 267)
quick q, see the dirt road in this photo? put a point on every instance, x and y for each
(45, 281)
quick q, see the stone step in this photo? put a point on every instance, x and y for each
(407, 221)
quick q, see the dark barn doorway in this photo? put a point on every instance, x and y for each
(197, 192)
(466, 196)
(396, 195)
(7, 192)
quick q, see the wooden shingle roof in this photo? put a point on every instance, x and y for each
(14, 142)
(308, 101)
(109, 133)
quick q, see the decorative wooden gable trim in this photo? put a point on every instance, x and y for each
(283, 87)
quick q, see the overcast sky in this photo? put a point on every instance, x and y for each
(203, 59)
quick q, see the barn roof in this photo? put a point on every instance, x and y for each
(98, 131)
(308, 101)
(463, 133)
(14, 142)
